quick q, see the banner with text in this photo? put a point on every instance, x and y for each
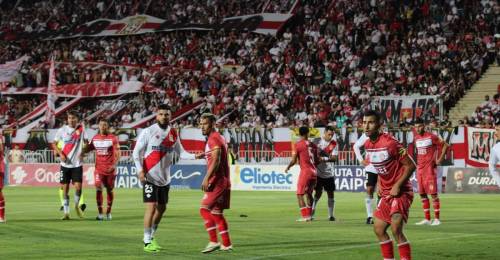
(399, 108)
(470, 180)
(480, 141)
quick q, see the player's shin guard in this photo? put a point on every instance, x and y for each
(98, 198)
(426, 206)
(110, 198)
(436, 204)
(368, 205)
(2, 206)
(223, 229)
(331, 207)
(404, 251)
(387, 250)
(209, 224)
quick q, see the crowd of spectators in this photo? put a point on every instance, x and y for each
(322, 68)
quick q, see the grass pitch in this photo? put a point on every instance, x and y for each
(262, 226)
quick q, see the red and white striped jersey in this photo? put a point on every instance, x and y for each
(154, 151)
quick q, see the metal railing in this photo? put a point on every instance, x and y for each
(242, 157)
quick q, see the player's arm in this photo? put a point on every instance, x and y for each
(443, 151)
(58, 151)
(294, 160)
(138, 153)
(408, 166)
(215, 153)
(492, 162)
(357, 151)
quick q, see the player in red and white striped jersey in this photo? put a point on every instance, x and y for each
(153, 156)
(107, 155)
(2, 175)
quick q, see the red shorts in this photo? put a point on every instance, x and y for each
(107, 179)
(427, 181)
(388, 207)
(306, 184)
(219, 197)
(1, 179)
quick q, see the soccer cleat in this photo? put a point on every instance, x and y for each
(83, 207)
(78, 211)
(304, 220)
(65, 217)
(99, 217)
(155, 244)
(61, 208)
(436, 222)
(2, 220)
(423, 222)
(108, 217)
(369, 220)
(150, 248)
(226, 248)
(212, 246)
(332, 218)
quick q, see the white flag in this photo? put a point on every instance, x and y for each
(50, 115)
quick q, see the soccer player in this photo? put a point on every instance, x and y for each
(394, 168)
(216, 185)
(371, 177)
(306, 153)
(107, 156)
(2, 175)
(494, 157)
(153, 155)
(427, 145)
(73, 138)
(328, 151)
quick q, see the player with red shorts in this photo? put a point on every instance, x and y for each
(2, 175)
(107, 152)
(307, 154)
(216, 185)
(394, 168)
(427, 145)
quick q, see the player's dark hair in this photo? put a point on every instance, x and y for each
(418, 121)
(103, 119)
(304, 131)
(209, 116)
(72, 113)
(329, 128)
(164, 107)
(374, 114)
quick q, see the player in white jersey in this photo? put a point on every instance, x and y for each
(495, 157)
(371, 177)
(328, 150)
(68, 144)
(153, 156)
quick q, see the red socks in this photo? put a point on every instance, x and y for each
(436, 205)
(426, 205)
(110, 198)
(223, 229)
(98, 198)
(2, 206)
(209, 224)
(404, 251)
(387, 250)
(306, 212)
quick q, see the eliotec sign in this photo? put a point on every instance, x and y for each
(263, 177)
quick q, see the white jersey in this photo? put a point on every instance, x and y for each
(357, 146)
(326, 149)
(67, 140)
(494, 160)
(154, 151)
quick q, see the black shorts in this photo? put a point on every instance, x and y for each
(71, 174)
(327, 184)
(154, 193)
(371, 179)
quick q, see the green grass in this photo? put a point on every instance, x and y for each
(470, 229)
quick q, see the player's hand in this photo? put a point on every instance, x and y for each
(394, 191)
(286, 170)
(439, 162)
(142, 177)
(110, 169)
(200, 156)
(205, 185)
(364, 163)
(63, 157)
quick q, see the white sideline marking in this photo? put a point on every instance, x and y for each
(355, 246)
